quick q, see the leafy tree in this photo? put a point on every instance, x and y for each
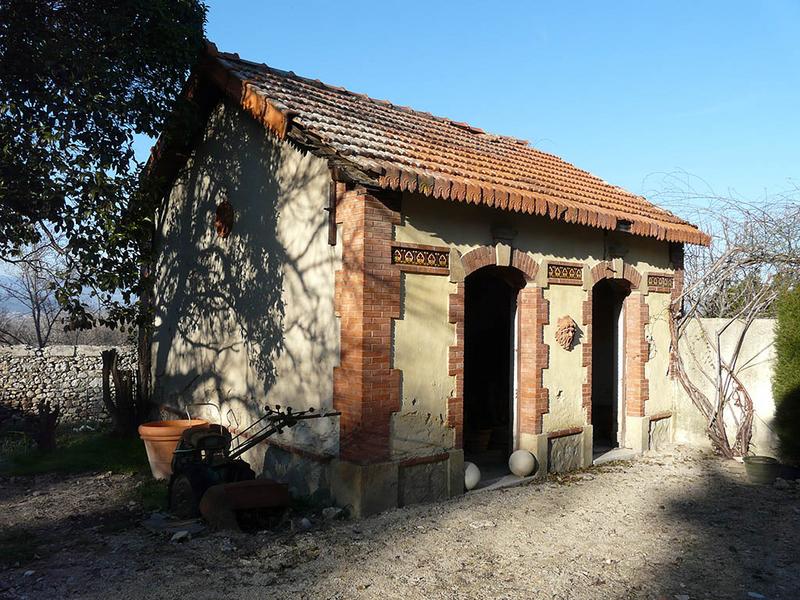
(786, 377)
(78, 79)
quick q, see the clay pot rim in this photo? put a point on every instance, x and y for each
(170, 428)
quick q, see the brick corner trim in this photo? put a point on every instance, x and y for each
(637, 351)
(533, 353)
(605, 270)
(636, 347)
(367, 297)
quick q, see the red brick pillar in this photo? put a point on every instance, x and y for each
(534, 357)
(637, 351)
(587, 356)
(365, 388)
(455, 403)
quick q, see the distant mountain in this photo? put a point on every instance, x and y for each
(10, 305)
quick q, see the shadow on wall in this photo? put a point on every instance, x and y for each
(247, 316)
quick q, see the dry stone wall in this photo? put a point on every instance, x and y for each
(70, 376)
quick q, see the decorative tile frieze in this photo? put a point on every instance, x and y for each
(659, 282)
(423, 258)
(565, 273)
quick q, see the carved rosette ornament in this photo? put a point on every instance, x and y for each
(565, 332)
(223, 220)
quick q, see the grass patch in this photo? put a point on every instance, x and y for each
(152, 494)
(81, 452)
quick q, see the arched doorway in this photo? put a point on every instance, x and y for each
(608, 364)
(490, 342)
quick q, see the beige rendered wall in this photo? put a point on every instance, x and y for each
(661, 385)
(465, 227)
(249, 319)
(566, 375)
(755, 362)
(422, 337)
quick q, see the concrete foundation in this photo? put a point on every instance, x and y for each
(637, 434)
(660, 433)
(307, 478)
(565, 453)
(561, 454)
(372, 488)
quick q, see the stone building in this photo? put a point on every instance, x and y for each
(455, 294)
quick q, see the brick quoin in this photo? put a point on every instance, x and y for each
(587, 356)
(637, 351)
(533, 399)
(533, 354)
(455, 365)
(367, 297)
(471, 261)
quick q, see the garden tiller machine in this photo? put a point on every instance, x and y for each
(210, 477)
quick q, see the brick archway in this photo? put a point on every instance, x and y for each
(636, 347)
(532, 355)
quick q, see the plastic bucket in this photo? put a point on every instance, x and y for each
(761, 469)
(160, 439)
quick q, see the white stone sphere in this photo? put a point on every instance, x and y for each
(472, 475)
(522, 463)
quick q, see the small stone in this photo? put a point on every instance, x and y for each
(482, 524)
(681, 596)
(304, 524)
(181, 536)
(780, 484)
(331, 513)
(28, 573)
(756, 594)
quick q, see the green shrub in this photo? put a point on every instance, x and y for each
(786, 377)
(81, 452)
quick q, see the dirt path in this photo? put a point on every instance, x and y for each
(678, 525)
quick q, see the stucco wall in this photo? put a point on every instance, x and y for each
(466, 227)
(566, 375)
(421, 339)
(756, 362)
(248, 319)
(657, 366)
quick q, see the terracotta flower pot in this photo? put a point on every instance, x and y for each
(160, 439)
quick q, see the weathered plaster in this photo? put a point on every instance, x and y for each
(467, 227)
(756, 361)
(657, 367)
(422, 337)
(566, 375)
(248, 319)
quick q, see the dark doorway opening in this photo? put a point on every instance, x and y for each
(490, 306)
(608, 415)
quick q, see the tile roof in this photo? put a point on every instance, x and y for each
(397, 148)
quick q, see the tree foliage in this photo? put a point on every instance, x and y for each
(786, 376)
(78, 79)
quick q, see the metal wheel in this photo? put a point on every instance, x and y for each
(183, 500)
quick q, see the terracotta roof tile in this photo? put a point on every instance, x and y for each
(402, 149)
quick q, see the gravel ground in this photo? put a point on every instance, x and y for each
(678, 525)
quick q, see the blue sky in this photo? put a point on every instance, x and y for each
(626, 90)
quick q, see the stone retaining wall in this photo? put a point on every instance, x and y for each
(70, 376)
